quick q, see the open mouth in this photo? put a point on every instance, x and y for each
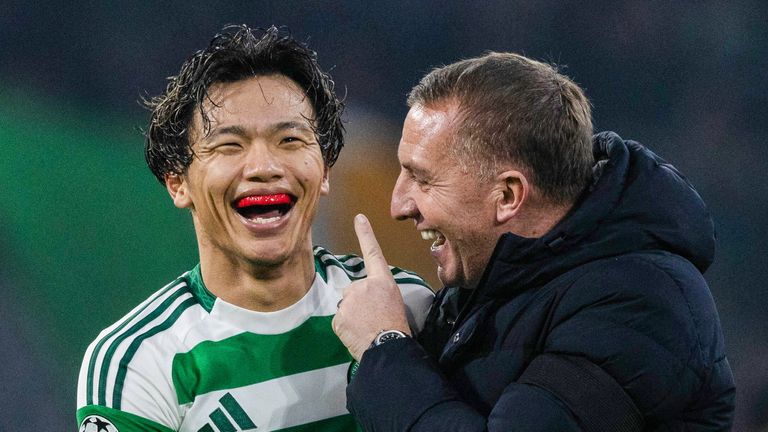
(264, 209)
(435, 235)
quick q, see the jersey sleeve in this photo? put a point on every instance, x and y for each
(94, 418)
(125, 382)
(417, 296)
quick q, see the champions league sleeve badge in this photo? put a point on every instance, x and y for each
(94, 423)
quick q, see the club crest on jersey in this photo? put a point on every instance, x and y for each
(94, 423)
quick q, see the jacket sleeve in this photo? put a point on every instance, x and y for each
(132, 395)
(399, 388)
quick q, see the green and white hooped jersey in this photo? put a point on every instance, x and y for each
(184, 360)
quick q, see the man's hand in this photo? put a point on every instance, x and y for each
(372, 304)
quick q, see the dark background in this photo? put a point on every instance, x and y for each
(86, 233)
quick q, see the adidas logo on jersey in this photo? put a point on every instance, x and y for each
(229, 412)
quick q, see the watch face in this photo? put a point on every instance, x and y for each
(388, 336)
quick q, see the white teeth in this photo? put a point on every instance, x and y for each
(266, 220)
(429, 234)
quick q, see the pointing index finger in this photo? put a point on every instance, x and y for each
(375, 263)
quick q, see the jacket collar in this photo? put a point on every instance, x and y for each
(636, 201)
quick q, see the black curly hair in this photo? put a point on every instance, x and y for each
(237, 53)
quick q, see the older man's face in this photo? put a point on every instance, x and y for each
(453, 209)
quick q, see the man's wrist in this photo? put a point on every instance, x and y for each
(383, 337)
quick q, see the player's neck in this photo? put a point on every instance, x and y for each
(256, 286)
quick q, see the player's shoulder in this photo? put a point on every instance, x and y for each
(327, 263)
(132, 352)
(154, 322)
(171, 297)
(352, 267)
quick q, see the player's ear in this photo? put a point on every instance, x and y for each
(325, 186)
(512, 189)
(178, 189)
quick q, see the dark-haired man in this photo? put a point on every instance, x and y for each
(574, 297)
(244, 137)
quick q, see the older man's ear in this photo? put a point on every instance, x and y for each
(512, 190)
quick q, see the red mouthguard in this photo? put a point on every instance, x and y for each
(274, 199)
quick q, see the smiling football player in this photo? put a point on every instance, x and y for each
(244, 138)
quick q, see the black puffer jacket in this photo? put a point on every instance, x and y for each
(618, 282)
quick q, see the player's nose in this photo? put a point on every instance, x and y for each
(262, 163)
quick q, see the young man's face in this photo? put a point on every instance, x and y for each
(453, 209)
(255, 181)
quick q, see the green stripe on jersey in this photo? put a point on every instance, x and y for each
(122, 420)
(353, 268)
(320, 269)
(400, 270)
(356, 271)
(197, 287)
(97, 348)
(123, 367)
(250, 358)
(324, 259)
(334, 424)
(410, 280)
(102, 396)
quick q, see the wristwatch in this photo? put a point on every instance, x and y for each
(386, 336)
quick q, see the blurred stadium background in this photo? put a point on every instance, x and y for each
(86, 232)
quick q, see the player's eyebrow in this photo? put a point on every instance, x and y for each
(227, 130)
(301, 126)
(276, 128)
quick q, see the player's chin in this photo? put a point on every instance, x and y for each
(273, 251)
